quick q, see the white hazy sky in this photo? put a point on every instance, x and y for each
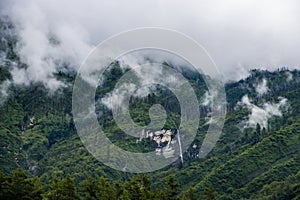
(238, 34)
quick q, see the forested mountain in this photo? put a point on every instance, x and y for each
(256, 157)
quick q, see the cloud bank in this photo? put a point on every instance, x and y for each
(262, 88)
(239, 35)
(261, 115)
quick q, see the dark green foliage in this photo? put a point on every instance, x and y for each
(20, 186)
(62, 189)
(138, 187)
(4, 74)
(241, 164)
(252, 163)
(286, 189)
(209, 194)
(188, 194)
(172, 188)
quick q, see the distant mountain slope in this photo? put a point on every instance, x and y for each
(259, 148)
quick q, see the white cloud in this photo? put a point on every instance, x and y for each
(207, 99)
(238, 35)
(117, 97)
(3, 90)
(262, 88)
(289, 76)
(261, 115)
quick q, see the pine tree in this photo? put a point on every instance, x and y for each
(139, 187)
(209, 194)
(20, 186)
(188, 195)
(171, 188)
(89, 189)
(63, 190)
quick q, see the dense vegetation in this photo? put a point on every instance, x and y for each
(38, 135)
(20, 186)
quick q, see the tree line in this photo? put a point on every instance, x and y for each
(19, 185)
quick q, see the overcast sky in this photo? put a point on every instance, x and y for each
(238, 34)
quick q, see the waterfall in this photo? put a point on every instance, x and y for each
(179, 143)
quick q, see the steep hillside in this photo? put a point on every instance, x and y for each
(258, 152)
